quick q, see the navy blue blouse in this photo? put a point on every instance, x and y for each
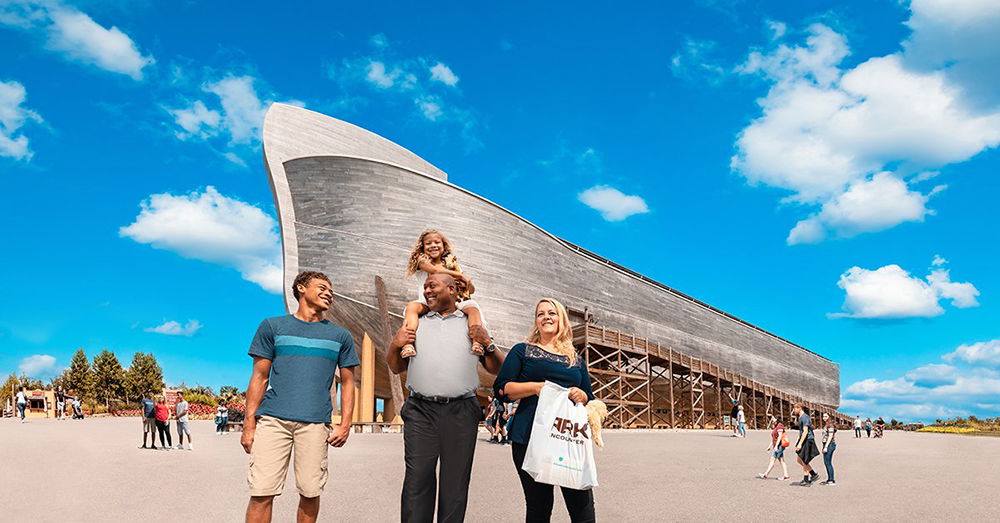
(528, 363)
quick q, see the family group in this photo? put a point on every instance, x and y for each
(441, 346)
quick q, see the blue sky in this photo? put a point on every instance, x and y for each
(821, 169)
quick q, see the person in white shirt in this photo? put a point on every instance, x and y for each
(181, 414)
(857, 427)
(221, 420)
(741, 418)
(22, 402)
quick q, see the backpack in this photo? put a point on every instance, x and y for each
(784, 440)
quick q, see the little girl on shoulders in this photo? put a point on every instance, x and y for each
(432, 255)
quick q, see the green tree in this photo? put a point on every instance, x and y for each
(109, 377)
(228, 392)
(144, 375)
(78, 377)
(9, 390)
(201, 389)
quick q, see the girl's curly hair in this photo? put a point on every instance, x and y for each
(417, 253)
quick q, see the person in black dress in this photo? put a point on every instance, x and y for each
(548, 355)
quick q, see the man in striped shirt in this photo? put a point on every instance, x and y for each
(298, 356)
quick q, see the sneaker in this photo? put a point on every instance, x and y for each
(143, 447)
(761, 476)
(828, 483)
(190, 446)
(813, 475)
(180, 446)
(783, 478)
(803, 483)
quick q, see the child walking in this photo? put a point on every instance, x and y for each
(432, 255)
(779, 442)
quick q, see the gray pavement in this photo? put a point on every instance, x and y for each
(91, 471)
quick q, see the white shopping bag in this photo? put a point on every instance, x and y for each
(561, 450)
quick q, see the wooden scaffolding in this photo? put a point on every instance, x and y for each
(647, 386)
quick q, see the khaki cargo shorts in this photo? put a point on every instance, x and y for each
(272, 447)
(149, 425)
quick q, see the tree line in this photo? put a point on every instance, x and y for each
(103, 382)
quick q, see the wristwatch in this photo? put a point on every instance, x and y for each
(490, 349)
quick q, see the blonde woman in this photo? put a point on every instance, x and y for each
(432, 254)
(548, 355)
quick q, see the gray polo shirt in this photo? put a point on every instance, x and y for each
(444, 365)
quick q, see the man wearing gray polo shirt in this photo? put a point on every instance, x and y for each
(441, 415)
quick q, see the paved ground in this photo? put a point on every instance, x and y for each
(91, 471)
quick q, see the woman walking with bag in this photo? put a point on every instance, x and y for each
(548, 355)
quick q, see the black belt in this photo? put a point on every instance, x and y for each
(441, 399)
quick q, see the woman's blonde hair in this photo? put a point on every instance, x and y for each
(564, 334)
(449, 259)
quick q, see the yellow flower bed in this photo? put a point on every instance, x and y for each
(948, 430)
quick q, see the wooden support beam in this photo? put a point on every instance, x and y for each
(395, 383)
(673, 405)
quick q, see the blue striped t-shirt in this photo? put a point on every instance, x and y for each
(304, 357)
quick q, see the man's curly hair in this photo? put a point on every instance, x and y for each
(304, 278)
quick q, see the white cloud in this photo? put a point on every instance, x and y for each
(693, 62)
(960, 36)
(242, 110)
(938, 261)
(962, 295)
(927, 392)
(613, 205)
(197, 120)
(933, 375)
(173, 328)
(777, 29)
(211, 227)
(77, 36)
(13, 116)
(231, 117)
(380, 41)
(442, 73)
(419, 81)
(890, 292)
(868, 205)
(981, 353)
(825, 134)
(38, 366)
(430, 107)
(378, 76)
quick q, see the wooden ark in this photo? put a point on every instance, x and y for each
(351, 204)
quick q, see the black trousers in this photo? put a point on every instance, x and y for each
(438, 432)
(538, 497)
(163, 428)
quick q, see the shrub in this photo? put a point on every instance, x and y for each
(198, 397)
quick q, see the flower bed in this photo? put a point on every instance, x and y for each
(196, 411)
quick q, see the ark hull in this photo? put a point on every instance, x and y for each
(353, 211)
